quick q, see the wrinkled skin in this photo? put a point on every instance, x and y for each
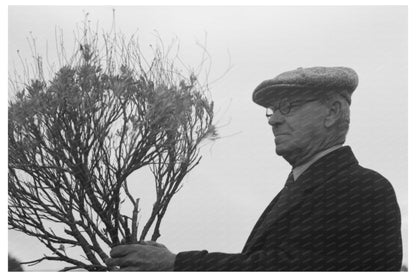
(305, 131)
(144, 256)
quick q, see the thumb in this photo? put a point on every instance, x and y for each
(153, 243)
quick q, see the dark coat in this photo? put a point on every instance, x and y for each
(337, 216)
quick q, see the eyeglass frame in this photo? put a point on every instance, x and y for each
(270, 111)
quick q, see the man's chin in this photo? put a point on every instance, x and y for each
(281, 151)
(287, 155)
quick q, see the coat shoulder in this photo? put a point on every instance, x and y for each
(364, 178)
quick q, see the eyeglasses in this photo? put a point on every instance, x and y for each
(285, 106)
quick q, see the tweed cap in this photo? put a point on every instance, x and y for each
(341, 80)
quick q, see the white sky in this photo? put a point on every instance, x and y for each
(240, 174)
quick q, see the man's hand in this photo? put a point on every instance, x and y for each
(143, 256)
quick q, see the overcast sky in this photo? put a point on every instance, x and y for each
(240, 173)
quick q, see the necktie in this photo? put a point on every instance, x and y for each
(280, 198)
(290, 180)
(284, 195)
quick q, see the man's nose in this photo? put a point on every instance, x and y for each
(276, 118)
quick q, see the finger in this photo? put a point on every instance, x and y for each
(113, 261)
(149, 242)
(153, 243)
(121, 250)
(121, 262)
(130, 268)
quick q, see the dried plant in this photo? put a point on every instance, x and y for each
(75, 138)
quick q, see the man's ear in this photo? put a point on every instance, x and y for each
(334, 113)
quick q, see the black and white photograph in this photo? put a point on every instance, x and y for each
(207, 138)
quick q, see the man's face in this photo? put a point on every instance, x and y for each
(301, 131)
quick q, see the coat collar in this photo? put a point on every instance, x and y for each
(318, 173)
(297, 171)
(326, 167)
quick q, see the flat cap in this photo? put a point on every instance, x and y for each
(342, 80)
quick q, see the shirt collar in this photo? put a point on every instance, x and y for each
(297, 171)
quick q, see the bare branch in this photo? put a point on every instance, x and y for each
(76, 137)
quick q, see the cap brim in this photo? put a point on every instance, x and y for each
(268, 95)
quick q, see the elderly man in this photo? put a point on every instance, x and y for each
(331, 215)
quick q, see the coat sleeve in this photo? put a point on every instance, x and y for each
(261, 260)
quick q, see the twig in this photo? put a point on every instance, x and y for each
(134, 223)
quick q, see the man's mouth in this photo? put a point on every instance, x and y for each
(278, 138)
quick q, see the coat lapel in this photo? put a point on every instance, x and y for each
(316, 174)
(257, 228)
(284, 204)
